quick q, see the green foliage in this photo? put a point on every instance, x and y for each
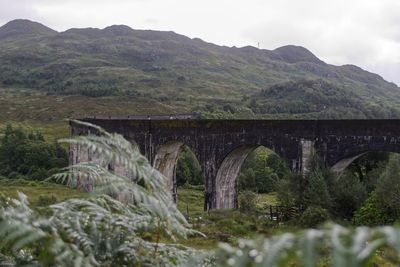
(183, 73)
(330, 246)
(188, 170)
(313, 189)
(371, 213)
(224, 225)
(286, 197)
(388, 187)
(368, 168)
(28, 154)
(382, 206)
(261, 171)
(247, 202)
(100, 230)
(348, 194)
(314, 216)
(316, 193)
(47, 200)
(316, 96)
(339, 196)
(247, 180)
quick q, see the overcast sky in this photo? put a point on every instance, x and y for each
(361, 32)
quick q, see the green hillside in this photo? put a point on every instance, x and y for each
(48, 75)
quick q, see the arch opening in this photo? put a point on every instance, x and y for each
(246, 168)
(190, 184)
(360, 182)
(366, 160)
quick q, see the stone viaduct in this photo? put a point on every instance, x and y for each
(221, 146)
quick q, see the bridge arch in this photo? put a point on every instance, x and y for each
(165, 161)
(339, 167)
(227, 177)
(353, 153)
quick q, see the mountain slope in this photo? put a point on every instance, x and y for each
(167, 66)
(22, 27)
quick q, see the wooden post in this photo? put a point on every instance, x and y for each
(270, 213)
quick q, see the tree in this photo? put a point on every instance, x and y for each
(188, 170)
(370, 213)
(367, 163)
(247, 180)
(266, 180)
(348, 194)
(29, 154)
(277, 165)
(388, 187)
(313, 216)
(285, 193)
(268, 169)
(316, 193)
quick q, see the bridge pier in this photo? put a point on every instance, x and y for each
(209, 171)
(307, 152)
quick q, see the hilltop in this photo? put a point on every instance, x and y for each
(177, 73)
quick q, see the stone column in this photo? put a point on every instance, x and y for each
(209, 171)
(307, 151)
(165, 162)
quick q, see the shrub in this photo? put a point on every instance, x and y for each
(199, 187)
(247, 180)
(284, 193)
(314, 216)
(348, 194)
(188, 170)
(13, 175)
(316, 192)
(371, 214)
(388, 187)
(247, 202)
(46, 200)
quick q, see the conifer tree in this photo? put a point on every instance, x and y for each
(316, 192)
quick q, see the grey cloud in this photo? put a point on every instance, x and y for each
(11, 9)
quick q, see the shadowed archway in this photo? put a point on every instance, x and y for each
(341, 165)
(227, 179)
(165, 161)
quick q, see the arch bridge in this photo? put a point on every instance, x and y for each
(221, 146)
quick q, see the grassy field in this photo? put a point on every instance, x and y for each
(223, 225)
(218, 226)
(226, 225)
(48, 114)
(36, 190)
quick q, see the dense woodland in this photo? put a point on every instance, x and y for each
(27, 155)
